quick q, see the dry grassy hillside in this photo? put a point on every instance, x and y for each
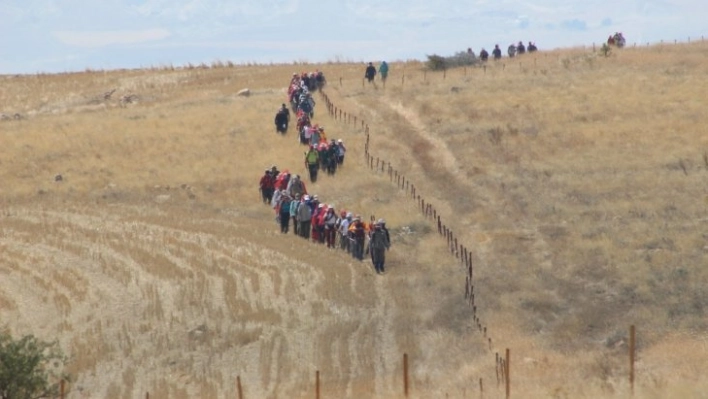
(577, 181)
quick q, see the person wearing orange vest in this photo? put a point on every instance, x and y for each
(357, 231)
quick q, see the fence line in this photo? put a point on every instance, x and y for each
(527, 60)
(460, 251)
(427, 209)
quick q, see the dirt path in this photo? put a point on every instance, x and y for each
(442, 152)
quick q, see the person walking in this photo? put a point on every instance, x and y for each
(383, 227)
(296, 187)
(378, 245)
(316, 223)
(344, 239)
(383, 71)
(332, 157)
(284, 212)
(342, 150)
(267, 185)
(304, 215)
(282, 118)
(330, 227)
(312, 160)
(496, 53)
(294, 206)
(483, 55)
(370, 73)
(357, 231)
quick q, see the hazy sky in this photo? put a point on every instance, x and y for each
(72, 35)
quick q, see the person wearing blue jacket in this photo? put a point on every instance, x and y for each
(383, 71)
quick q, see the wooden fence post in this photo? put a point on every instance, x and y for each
(507, 376)
(632, 343)
(405, 375)
(62, 389)
(147, 395)
(239, 389)
(481, 388)
(317, 384)
(496, 369)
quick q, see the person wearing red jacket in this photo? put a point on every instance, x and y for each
(317, 227)
(267, 185)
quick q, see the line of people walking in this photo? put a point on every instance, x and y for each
(303, 214)
(307, 217)
(321, 154)
(512, 51)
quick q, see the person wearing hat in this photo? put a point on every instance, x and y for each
(341, 150)
(378, 244)
(282, 118)
(332, 152)
(306, 133)
(343, 230)
(357, 232)
(294, 207)
(322, 149)
(284, 212)
(330, 227)
(383, 227)
(315, 137)
(267, 185)
(304, 216)
(318, 223)
(296, 186)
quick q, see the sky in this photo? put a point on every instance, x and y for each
(53, 36)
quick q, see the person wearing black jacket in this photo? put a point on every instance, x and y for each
(483, 55)
(370, 72)
(379, 243)
(282, 118)
(496, 52)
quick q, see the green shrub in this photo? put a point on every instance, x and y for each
(30, 368)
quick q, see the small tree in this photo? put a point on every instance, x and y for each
(30, 368)
(436, 62)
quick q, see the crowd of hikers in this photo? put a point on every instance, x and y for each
(295, 209)
(512, 51)
(300, 97)
(370, 72)
(616, 40)
(307, 217)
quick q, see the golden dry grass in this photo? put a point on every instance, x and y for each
(577, 181)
